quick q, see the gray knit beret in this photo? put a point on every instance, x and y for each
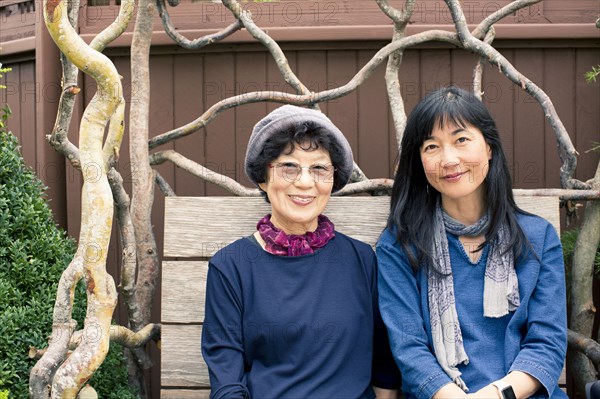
(281, 119)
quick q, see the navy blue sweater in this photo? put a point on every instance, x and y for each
(295, 327)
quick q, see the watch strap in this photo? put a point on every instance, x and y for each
(506, 390)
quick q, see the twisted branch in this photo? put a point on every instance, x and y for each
(304, 99)
(282, 63)
(196, 43)
(392, 80)
(164, 185)
(118, 334)
(204, 173)
(587, 346)
(484, 26)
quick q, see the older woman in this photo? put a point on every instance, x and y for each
(472, 288)
(291, 311)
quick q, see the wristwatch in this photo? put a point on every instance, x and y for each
(506, 390)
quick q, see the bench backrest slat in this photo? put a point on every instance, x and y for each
(197, 227)
(200, 226)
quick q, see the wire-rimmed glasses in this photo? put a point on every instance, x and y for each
(291, 171)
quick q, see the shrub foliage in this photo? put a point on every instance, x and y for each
(33, 254)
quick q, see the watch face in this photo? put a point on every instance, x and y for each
(508, 393)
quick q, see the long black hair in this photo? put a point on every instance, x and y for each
(414, 201)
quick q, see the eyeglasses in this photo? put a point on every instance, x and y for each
(291, 171)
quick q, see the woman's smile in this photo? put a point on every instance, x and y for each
(302, 199)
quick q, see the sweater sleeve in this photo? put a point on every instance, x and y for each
(400, 304)
(385, 372)
(543, 348)
(222, 340)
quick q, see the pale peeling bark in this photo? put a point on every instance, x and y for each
(116, 28)
(58, 139)
(63, 325)
(392, 80)
(582, 270)
(381, 185)
(123, 336)
(119, 334)
(563, 194)
(478, 71)
(143, 176)
(142, 197)
(204, 173)
(97, 203)
(137, 358)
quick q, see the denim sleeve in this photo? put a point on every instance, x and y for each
(222, 340)
(544, 346)
(400, 305)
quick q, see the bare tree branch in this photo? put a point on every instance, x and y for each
(195, 44)
(582, 269)
(366, 186)
(282, 63)
(123, 336)
(478, 72)
(164, 185)
(481, 30)
(398, 16)
(116, 28)
(567, 152)
(119, 334)
(357, 174)
(392, 80)
(586, 346)
(40, 379)
(58, 139)
(563, 194)
(96, 204)
(304, 99)
(204, 173)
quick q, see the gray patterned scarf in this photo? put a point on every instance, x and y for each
(500, 293)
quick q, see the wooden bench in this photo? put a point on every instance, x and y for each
(197, 227)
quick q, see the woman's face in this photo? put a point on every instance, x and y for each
(456, 161)
(297, 202)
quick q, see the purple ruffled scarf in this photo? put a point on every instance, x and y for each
(280, 243)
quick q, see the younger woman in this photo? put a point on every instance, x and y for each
(471, 287)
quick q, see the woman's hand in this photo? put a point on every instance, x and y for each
(487, 392)
(450, 391)
(381, 393)
(522, 383)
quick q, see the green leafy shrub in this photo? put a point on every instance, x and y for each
(33, 254)
(569, 239)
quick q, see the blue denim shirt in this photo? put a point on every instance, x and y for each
(535, 335)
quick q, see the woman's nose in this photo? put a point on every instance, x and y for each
(305, 178)
(449, 157)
